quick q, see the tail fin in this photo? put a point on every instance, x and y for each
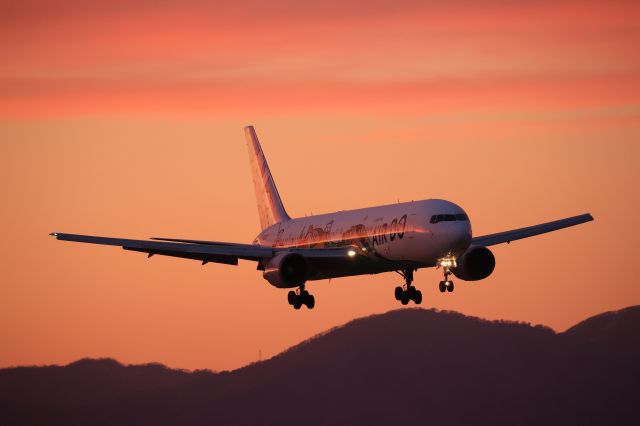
(270, 208)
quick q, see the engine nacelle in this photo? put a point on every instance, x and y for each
(475, 264)
(286, 270)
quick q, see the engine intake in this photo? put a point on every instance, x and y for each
(475, 264)
(286, 270)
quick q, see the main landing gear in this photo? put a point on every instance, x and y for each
(301, 297)
(407, 291)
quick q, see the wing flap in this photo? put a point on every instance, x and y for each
(530, 231)
(204, 258)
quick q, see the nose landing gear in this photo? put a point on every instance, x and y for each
(446, 286)
(447, 264)
(407, 291)
(301, 297)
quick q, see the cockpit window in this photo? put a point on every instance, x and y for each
(449, 218)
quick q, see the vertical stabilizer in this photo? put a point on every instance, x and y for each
(270, 208)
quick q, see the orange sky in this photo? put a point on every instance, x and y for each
(124, 119)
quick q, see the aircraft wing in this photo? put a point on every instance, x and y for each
(205, 251)
(530, 231)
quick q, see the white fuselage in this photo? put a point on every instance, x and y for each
(396, 232)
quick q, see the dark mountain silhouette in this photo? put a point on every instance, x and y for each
(411, 366)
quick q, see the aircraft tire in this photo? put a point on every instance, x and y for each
(450, 287)
(405, 298)
(417, 297)
(291, 297)
(398, 293)
(310, 301)
(443, 287)
(297, 304)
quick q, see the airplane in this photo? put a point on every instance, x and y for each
(401, 238)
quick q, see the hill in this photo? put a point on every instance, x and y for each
(410, 366)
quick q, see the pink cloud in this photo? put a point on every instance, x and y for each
(120, 56)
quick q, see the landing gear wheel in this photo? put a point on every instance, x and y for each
(405, 298)
(398, 293)
(417, 297)
(297, 304)
(310, 301)
(411, 291)
(443, 287)
(450, 287)
(291, 297)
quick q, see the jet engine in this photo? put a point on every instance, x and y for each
(286, 270)
(477, 263)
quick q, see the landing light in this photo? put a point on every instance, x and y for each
(448, 263)
(351, 253)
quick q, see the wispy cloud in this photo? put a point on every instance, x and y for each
(63, 56)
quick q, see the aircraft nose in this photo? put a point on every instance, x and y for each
(460, 237)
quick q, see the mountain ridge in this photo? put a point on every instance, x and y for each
(403, 367)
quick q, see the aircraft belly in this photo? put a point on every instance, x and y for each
(339, 268)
